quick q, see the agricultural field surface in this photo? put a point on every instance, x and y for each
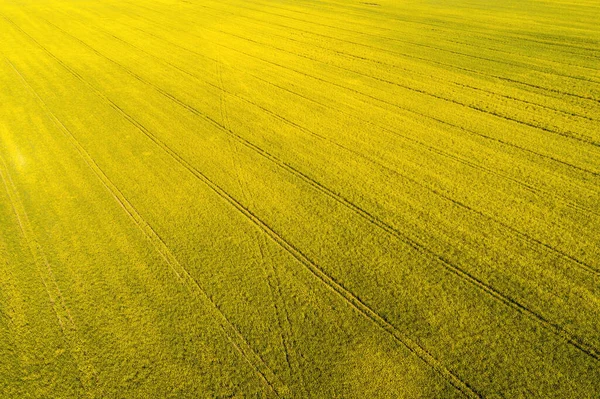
(299, 199)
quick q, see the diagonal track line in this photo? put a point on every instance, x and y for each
(331, 283)
(232, 333)
(572, 339)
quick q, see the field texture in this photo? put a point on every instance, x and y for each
(299, 199)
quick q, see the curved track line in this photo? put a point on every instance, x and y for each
(576, 341)
(231, 332)
(268, 267)
(349, 297)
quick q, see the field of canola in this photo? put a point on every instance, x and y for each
(299, 199)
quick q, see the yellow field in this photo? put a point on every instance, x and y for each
(299, 199)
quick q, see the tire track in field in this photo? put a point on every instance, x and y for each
(231, 332)
(348, 296)
(418, 73)
(444, 30)
(271, 277)
(576, 341)
(270, 5)
(469, 131)
(469, 87)
(379, 37)
(9, 322)
(472, 132)
(329, 281)
(283, 322)
(409, 42)
(291, 343)
(12, 313)
(554, 61)
(517, 232)
(87, 375)
(445, 65)
(580, 263)
(312, 267)
(334, 7)
(513, 230)
(560, 111)
(227, 130)
(361, 15)
(573, 339)
(222, 103)
(568, 134)
(281, 310)
(549, 157)
(529, 187)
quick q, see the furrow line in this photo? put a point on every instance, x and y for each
(567, 134)
(393, 66)
(231, 332)
(430, 148)
(445, 65)
(392, 30)
(576, 341)
(395, 40)
(348, 296)
(87, 375)
(472, 132)
(195, 111)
